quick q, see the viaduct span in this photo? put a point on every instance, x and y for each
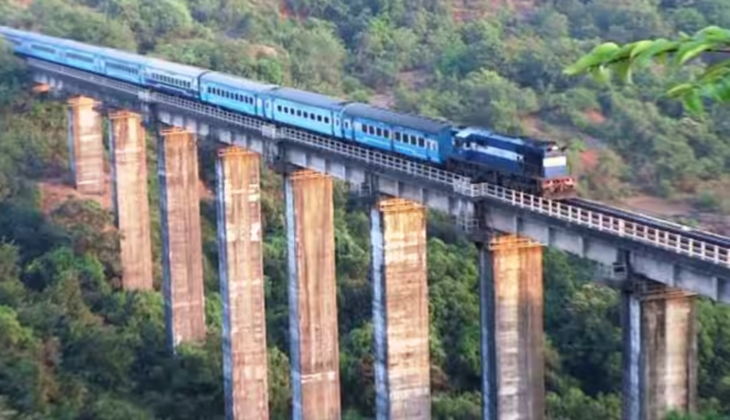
(660, 267)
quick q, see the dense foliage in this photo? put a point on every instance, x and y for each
(76, 347)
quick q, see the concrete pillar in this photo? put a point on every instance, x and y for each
(511, 291)
(128, 147)
(313, 334)
(400, 310)
(242, 285)
(86, 148)
(182, 248)
(660, 351)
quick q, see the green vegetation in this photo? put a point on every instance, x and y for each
(76, 347)
(713, 82)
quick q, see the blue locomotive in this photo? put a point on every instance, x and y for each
(530, 165)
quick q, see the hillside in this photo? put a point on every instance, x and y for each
(76, 347)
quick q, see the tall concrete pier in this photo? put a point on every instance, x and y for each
(86, 148)
(660, 351)
(512, 329)
(400, 310)
(313, 331)
(242, 285)
(182, 248)
(128, 150)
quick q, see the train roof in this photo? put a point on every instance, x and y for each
(30, 35)
(308, 98)
(5, 30)
(237, 82)
(121, 55)
(483, 132)
(165, 65)
(423, 124)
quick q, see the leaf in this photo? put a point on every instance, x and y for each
(621, 53)
(693, 103)
(623, 70)
(640, 47)
(719, 91)
(680, 90)
(714, 34)
(601, 74)
(605, 50)
(598, 57)
(690, 51)
(659, 46)
(717, 70)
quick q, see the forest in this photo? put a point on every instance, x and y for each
(75, 346)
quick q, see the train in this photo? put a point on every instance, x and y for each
(537, 167)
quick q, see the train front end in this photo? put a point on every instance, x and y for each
(556, 181)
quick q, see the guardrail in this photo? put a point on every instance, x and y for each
(619, 226)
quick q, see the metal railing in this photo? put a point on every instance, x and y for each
(622, 227)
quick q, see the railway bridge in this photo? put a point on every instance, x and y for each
(660, 267)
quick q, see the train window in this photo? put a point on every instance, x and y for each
(79, 57)
(327, 121)
(379, 132)
(319, 118)
(44, 48)
(278, 108)
(386, 134)
(347, 124)
(421, 142)
(299, 112)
